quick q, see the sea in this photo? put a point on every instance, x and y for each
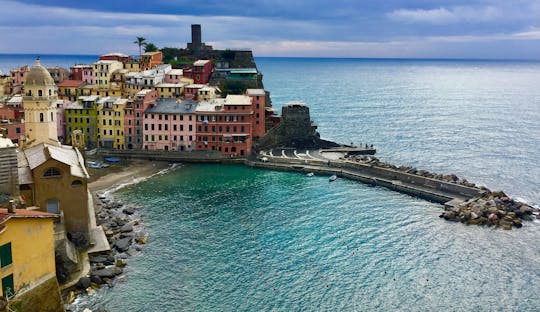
(232, 238)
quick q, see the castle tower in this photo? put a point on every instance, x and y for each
(196, 40)
(40, 107)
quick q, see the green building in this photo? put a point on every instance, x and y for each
(82, 115)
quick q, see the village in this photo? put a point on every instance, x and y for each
(51, 118)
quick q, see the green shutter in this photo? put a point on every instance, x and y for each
(8, 289)
(5, 255)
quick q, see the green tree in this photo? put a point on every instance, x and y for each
(141, 42)
(150, 47)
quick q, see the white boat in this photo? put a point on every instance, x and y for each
(332, 178)
(310, 174)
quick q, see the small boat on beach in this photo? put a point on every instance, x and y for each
(332, 178)
(94, 165)
(112, 159)
(310, 174)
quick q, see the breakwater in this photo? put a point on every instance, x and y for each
(463, 201)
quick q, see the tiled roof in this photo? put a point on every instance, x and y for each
(70, 83)
(24, 213)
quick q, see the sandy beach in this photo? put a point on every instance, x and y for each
(116, 174)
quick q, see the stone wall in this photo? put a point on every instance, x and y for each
(296, 130)
(43, 297)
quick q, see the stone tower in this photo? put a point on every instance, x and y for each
(40, 107)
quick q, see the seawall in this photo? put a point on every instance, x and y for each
(414, 185)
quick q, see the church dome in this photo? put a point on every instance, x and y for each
(38, 76)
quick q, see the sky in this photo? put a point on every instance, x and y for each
(479, 29)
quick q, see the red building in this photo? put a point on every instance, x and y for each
(225, 125)
(133, 117)
(258, 101)
(77, 72)
(202, 71)
(192, 91)
(120, 57)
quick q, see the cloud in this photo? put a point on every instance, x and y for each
(447, 15)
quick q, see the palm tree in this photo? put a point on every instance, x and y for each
(141, 43)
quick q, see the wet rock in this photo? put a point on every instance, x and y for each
(123, 244)
(129, 211)
(126, 228)
(120, 263)
(104, 273)
(96, 279)
(83, 283)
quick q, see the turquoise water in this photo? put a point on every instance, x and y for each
(229, 238)
(232, 238)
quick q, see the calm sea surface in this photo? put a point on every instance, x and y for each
(230, 238)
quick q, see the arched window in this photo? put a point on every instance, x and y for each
(40, 92)
(76, 183)
(50, 92)
(52, 116)
(52, 172)
(40, 117)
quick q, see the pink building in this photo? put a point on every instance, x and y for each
(192, 91)
(133, 117)
(18, 77)
(60, 119)
(13, 130)
(170, 125)
(174, 76)
(82, 72)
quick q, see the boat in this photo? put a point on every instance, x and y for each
(94, 165)
(112, 159)
(332, 178)
(310, 174)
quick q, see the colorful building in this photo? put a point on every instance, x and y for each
(170, 90)
(5, 85)
(174, 76)
(82, 115)
(60, 119)
(170, 125)
(202, 71)
(258, 103)
(70, 89)
(150, 60)
(82, 72)
(103, 71)
(120, 57)
(207, 93)
(191, 91)
(13, 129)
(110, 122)
(134, 115)
(18, 77)
(224, 125)
(27, 260)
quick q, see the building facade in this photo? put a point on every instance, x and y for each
(133, 117)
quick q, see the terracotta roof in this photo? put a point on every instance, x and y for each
(24, 213)
(70, 83)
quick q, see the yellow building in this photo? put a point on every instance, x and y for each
(103, 72)
(27, 260)
(169, 90)
(5, 85)
(40, 107)
(110, 122)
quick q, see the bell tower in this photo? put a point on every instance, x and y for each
(40, 95)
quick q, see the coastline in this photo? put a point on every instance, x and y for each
(120, 222)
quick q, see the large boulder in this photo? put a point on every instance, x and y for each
(123, 244)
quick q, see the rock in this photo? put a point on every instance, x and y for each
(129, 211)
(505, 224)
(104, 273)
(126, 228)
(492, 217)
(120, 263)
(96, 259)
(474, 215)
(123, 244)
(141, 240)
(83, 283)
(117, 270)
(96, 279)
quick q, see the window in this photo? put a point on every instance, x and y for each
(5, 255)
(145, 127)
(159, 126)
(7, 286)
(76, 183)
(40, 117)
(52, 172)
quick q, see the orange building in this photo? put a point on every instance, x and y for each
(150, 60)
